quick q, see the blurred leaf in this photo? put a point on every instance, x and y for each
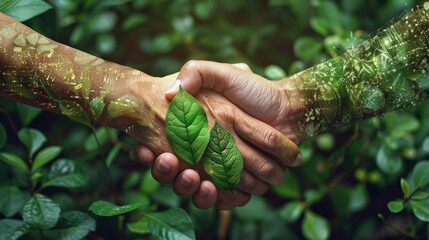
(405, 187)
(274, 72)
(421, 209)
(315, 227)
(395, 206)
(204, 9)
(388, 161)
(103, 135)
(358, 198)
(171, 224)
(183, 24)
(61, 167)
(289, 188)
(11, 200)
(106, 44)
(256, 209)
(27, 113)
(41, 212)
(13, 160)
(33, 139)
(307, 48)
(148, 184)
(420, 174)
(113, 154)
(167, 197)
(425, 145)
(139, 227)
(73, 180)
(3, 135)
(291, 211)
(71, 225)
(134, 21)
(11, 229)
(420, 196)
(107, 209)
(325, 141)
(320, 25)
(312, 195)
(405, 123)
(102, 22)
(23, 10)
(45, 156)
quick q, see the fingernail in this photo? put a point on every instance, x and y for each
(173, 87)
(185, 181)
(163, 167)
(297, 161)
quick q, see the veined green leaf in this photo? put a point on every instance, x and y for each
(171, 224)
(421, 209)
(97, 106)
(12, 229)
(13, 160)
(107, 209)
(23, 10)
(73, 180)
(75, 112)
(222, 159)
(71, 225)
(45, 156)
(41, 212)
(187, 128)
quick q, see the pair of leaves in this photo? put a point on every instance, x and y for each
(188, 133)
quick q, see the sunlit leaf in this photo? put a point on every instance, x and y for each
(187, 127)
(45, 156)
(395, 206)
(33, 139)
(13, 160)
(107, 209)
(41, 212)
(170, 224)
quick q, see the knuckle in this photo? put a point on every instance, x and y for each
(271, 139)
(267, 171)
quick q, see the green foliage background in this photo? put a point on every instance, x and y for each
(347, 177)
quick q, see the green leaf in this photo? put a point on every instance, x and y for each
(291, 211)
(315, 227)
(405, 123)
(71, 225)
(45, 156)
(420, 175)
(320, 25)
(97, 106)
(421, 209)
(171, 224)
(395, 206)
(388, 161)
(32, 139)
(187, 128)
(63, 173)
(405, 187)
(11, 200)
(307, 48)
(11, 229)
(133, 21)
(23, 10)
(289, 188)
(222, 159)
(148, 184)
(420, 196)
(425, 145)
(27, 113)
(139, 227)
(13, 160)
(75, 112)
(103, 135)
(113, 154)
(3, 135)
(274, 72)
(41, 212)
(257, 209)
(107, 209)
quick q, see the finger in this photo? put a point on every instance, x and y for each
(206, 195)
(260, 164)
(242, 66)
(186, 183)
(165, 168)
(231, 199)
(251, 184)
(144, 154)
(267, 138)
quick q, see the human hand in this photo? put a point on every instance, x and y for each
(168, 161)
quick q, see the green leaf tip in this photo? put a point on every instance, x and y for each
(187, 128)
(222, 160)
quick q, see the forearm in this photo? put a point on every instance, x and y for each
(388, 71)
(49, 75)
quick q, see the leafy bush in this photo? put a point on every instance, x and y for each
(60, 180)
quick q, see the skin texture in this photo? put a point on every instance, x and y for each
(388, 71)
(46, 74)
